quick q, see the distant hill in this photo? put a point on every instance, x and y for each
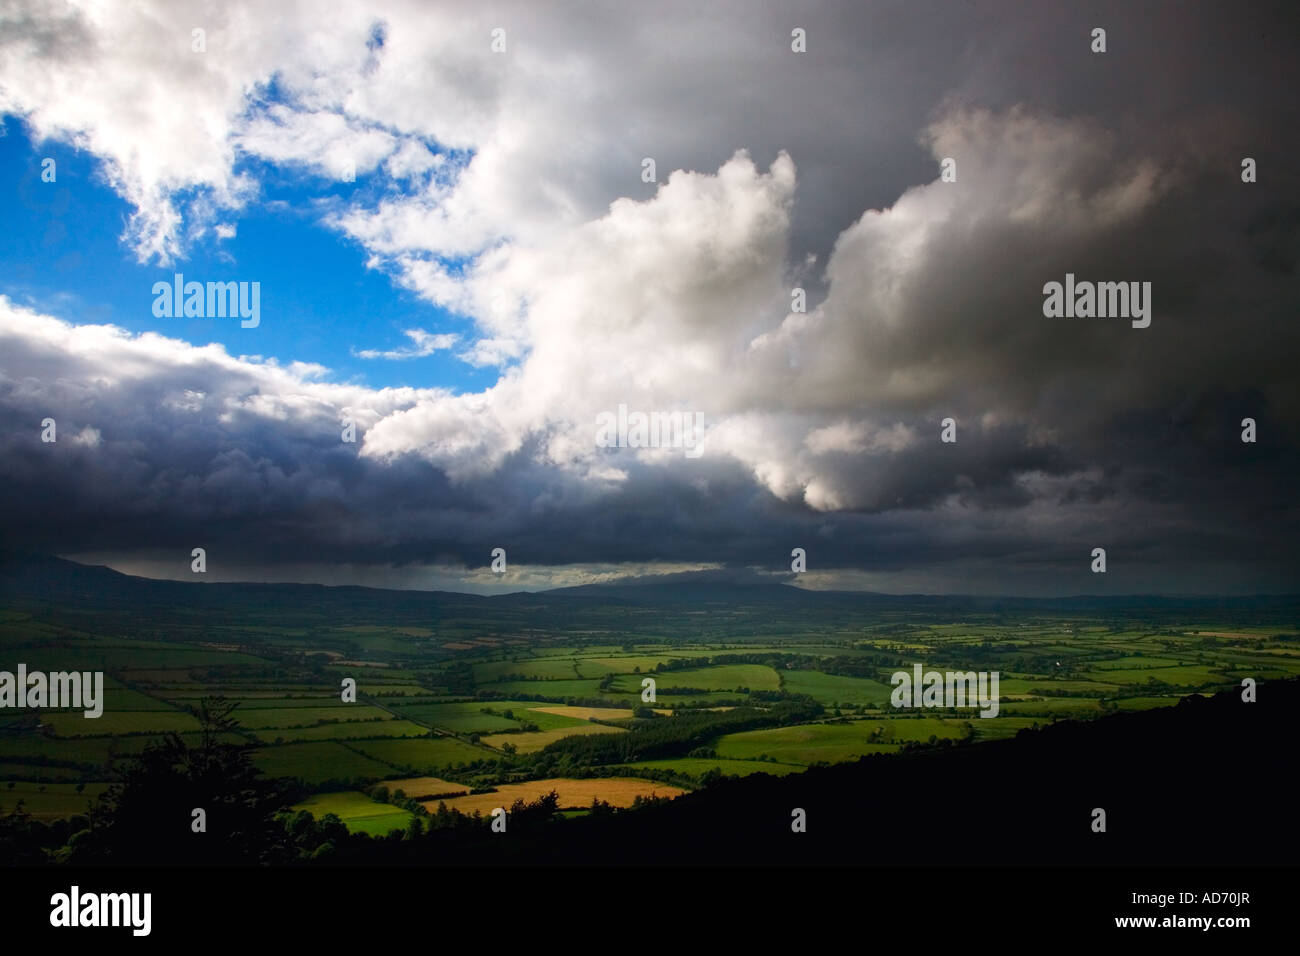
(36, 580)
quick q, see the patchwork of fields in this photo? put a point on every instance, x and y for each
(444, 714)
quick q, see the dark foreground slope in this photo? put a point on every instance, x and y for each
(1208, 781)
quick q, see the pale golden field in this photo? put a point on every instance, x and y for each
(535, 740)
(586, 713)
(423, 786)
(574, 794)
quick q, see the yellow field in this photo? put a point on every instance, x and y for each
(423, 786)
(574, 794)
(534, 741)
(587, 713)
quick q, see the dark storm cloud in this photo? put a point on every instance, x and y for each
(1072, 433)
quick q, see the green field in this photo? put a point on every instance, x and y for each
(831, 688)
(48, 801)
(544, 669)
(1050, 705)
(1188, 676)
(1122, 663)
(353, 730)
(358, 812)
(266, 701)
(639, 664)
(805, 744)
(696, 767)
(121, 698)
(125, 746)
(460, 718)
(303, 716)
(31, 771)
(918, 729)
(552, 688)
(528, 743)
(423, 754)
(316, 762)
(448, 691)
(721, 677)
(1146, 703)
(1031, 687)
(66, 724)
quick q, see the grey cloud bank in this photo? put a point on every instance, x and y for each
(926, 298)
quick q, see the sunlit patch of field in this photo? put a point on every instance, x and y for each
(810, 743)
(1249, 635)
(534, 741)
(573, 794)
(551, 688)
(720, 677)
(359, 813)
(830, 688)
(422, 788)
(586, 713)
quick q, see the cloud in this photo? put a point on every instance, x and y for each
(426, 343)
(507, 188)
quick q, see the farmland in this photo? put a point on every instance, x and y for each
(573, 794)
(495, 700)
(358, 812)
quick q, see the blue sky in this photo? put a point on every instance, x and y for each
(60, 253)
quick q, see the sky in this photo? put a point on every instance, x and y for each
(459, 249)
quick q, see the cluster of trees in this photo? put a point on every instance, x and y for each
(25, 841)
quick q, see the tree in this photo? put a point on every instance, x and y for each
(525, 816)
(147, 816)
